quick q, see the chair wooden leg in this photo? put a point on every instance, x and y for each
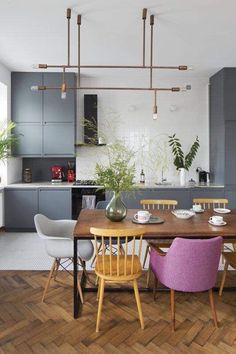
(57, 267)
(49, 278)
(94, 258)
(223, 278)
(146, 254)
(172, 306)
(148, 276)
(101, 295)
(213, 309)
(155, 287)
(80, 292)
(136, 293)
(99, 285)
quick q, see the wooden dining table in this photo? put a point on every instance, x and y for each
(195, 227)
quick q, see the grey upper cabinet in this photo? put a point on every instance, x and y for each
(58, 139)
(54, 108)
(54, 131)
(20, 207)
(229, 83)
(55, 203)
(30, 139)
(223, 127)
(26, 104)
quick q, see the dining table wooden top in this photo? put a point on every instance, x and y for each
(195, 227)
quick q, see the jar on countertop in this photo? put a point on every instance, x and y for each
(27, 175)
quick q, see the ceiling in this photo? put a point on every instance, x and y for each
(187, 32)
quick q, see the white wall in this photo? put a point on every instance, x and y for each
(12, 170)
(128, 114)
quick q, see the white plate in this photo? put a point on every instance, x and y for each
(222, 210)
(222, 224)
(199, 211)
(183, 213)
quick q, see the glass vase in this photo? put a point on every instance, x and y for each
(116, 210)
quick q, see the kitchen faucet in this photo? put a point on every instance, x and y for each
(162, 176)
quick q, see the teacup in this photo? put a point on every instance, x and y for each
(197, 207)
(216, 219)
(142, 216)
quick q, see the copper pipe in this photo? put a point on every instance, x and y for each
(68, 16)
(181, 67)
(79, 24)
(144, 16)
(173, 89)
(151, 48)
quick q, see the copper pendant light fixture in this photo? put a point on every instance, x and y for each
(64, 88)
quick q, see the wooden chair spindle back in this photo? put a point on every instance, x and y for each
(119, 264)
(158, 204)
(211, 203)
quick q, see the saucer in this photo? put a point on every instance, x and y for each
(221, 224)
(222, 210)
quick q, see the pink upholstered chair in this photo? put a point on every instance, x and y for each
(189, 266)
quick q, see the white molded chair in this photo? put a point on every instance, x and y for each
(58, 239)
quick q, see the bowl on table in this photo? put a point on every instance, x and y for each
(183, 213)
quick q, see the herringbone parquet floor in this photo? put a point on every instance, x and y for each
(29, 326)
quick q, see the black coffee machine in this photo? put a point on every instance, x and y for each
(204, 177)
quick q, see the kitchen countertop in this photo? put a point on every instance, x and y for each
(139, 185)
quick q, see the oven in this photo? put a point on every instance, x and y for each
(80, 194)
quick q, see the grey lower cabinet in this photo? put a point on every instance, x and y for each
(21, 204)
(132, 199)
(55, 203)
(20, 207)
(184, 196)
(208, 192)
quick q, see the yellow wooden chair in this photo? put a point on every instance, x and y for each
(230, 259)
(211, 203)
(118, 268)
(156, 204)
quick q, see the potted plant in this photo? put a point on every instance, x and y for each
(183, 162)
(6, 141)
(117, 176)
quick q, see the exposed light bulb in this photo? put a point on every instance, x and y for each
(63, 91)
(190, 67)
(63, 95)
(186, 88)
(155, 116)
(35, 66)
(34, 88)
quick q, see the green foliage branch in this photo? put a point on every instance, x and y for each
(181, 160)
(7, 139)
(119, 174)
